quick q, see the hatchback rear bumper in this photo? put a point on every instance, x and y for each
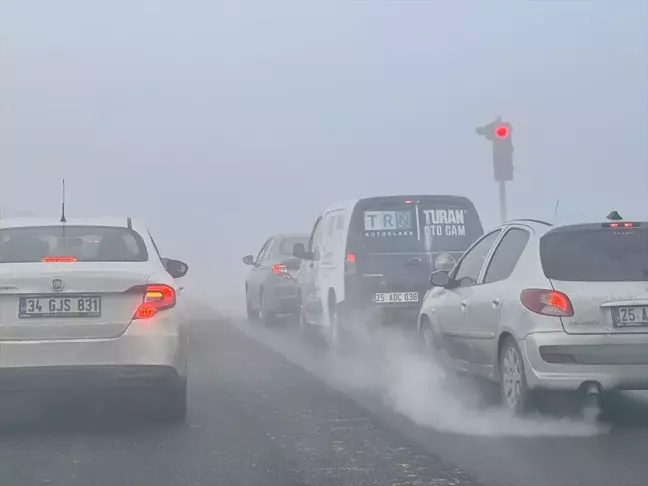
(560, 361)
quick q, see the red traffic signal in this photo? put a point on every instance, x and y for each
(501, 132)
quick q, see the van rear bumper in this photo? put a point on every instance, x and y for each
(404, 315)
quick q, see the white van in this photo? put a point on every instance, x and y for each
(374, 256)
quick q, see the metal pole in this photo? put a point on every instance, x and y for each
(502, 201)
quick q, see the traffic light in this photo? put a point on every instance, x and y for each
(499, 134)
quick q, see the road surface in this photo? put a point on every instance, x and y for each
(267, 410)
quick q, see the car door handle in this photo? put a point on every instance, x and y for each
(464, 306)
(496, 302)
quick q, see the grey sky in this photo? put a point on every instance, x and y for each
(211, 119)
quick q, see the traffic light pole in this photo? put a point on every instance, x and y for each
(498, 133)
(502, 201)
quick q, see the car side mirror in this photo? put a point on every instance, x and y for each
(248, 260)
(440, 278)
(299, 251)
(176, 268)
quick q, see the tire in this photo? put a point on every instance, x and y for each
(427, 340)
(267, 317)
(251, 313)
(514, 392)
(174, 401)
(333, 331)
(304, 327)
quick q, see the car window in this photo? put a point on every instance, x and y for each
(82, 243)
(506, 255)
(262, 251)
(596, 254)
(471, 264)
(316, 236)
(286, 246)
(268, 253)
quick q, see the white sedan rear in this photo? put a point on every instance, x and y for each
(91, 303)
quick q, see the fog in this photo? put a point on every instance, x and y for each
(220, 123)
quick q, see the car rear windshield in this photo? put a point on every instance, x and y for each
(286, 246)
(83, 243)
(420, 228)
(596, 255)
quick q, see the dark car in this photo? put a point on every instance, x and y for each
(270, 287)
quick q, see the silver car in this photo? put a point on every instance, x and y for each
(533, 307)
(90, 303)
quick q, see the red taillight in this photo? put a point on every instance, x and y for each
(621, 225)
(59, 259)
(281, 270)
(350, 258)
(156, 298)
(547, 302)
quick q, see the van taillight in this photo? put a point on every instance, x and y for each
(547, 302)
(350, 263)
(157, 297)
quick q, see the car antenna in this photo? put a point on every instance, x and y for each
(129, 223)
(556, 208)
(63, 220)
(614, 216)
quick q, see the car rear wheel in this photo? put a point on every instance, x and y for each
(267, 316)
(251, 313)
(513, 386)
(174, 401)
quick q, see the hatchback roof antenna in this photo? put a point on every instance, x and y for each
(63, 220)
(556, 208)
(614, 216)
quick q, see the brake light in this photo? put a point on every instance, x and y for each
(547, 302)
(59, 259)
(157, 297)
(350, 264)
(281, 270)
(621, 225)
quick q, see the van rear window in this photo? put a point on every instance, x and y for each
(411, 228)
(596, 255)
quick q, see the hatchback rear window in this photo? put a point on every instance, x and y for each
(596, 255)
(81, 243)
(286, 246)
(419, 228)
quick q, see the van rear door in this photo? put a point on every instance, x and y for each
(399, 241)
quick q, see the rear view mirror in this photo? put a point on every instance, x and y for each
(248, 260)
(176, 268)
(440, 278)
(299, 251)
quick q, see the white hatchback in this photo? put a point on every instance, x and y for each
(91, 303)
(531, 306)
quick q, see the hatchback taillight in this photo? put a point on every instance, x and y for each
(547, 302)
(157, 297)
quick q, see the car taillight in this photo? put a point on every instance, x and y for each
(547, 302)
(59, 259)
(157, 297)
(350, 263)
(281, 270)
(621, 225)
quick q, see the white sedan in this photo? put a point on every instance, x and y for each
(91, 302)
